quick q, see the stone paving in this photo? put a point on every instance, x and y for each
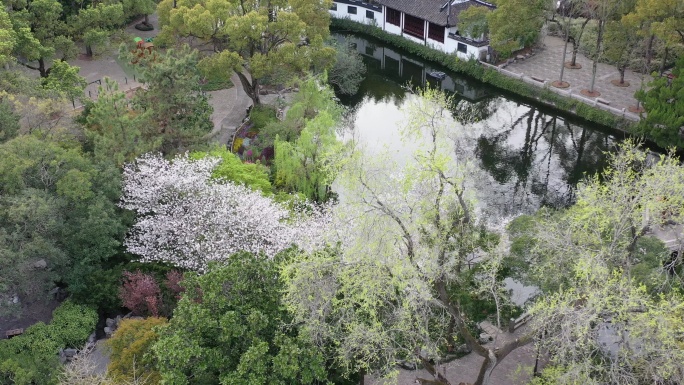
(515, 369)
(545, 64)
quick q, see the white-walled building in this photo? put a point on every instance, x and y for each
(429, 22)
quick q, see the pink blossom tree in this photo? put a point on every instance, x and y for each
(188, 219)
(140, 293)
(173, 280)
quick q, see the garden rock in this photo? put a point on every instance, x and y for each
(463, 349)
(40, 264)
(110, 323)
(108, 331)
(485, 338)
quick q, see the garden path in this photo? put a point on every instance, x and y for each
(545, 65)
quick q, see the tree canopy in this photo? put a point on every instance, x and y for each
(230, 327)
(257, 40)
(664, 118)
(612, 314)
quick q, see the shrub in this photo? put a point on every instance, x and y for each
(130, 345)
(262, 115)
(233, 169)
(31, 358)
(140, 293)
(72, 324)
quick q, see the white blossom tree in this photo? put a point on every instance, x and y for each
(187, 218)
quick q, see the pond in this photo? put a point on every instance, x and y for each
(528, 156)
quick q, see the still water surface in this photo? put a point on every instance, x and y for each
(527, 156)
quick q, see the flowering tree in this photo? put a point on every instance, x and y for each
(186, 218)
(140, 293)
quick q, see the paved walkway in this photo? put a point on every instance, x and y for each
(515, 369)
(100, 357)
(547, 62)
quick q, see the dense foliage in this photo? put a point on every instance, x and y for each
(664, 105)
(256, 40)
(230, 327)
(131, 350)
(59, 218)
(32, 357)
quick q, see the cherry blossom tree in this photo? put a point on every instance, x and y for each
(140, 293)
(187, 218)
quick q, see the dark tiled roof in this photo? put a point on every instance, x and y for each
(433, 11)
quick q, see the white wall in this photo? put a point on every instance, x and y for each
(415, 39)
(449, 46)
(359, 17)
(437, 45)
(391, 28)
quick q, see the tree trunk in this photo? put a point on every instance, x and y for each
(251, 89)
(492, 359)
(599, 40)
(576, 43)
(622, 74)
(147, 20)
(41, 68)
(362, 376)
(649, 54)
(486, 369)
(565, 48)
(89, 50)
(433, 371)
(662, 66)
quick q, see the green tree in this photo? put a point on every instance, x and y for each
(661, 19)
(9, 121)
(116, 130)
(664, 120)
(131, 347)
(8, 38)
(515, 24)
(59, 219)
(256, 40)
(348, 71)
(599, 323)
(398, 286)
(64, 79)
(309, 164)
(133, 8)
(230, 327)
(95, 23)
(42, 32)
(473, 21)
(603, 11)
(620, 40)
(180, 113)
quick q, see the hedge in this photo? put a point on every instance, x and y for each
(473, 69)
(31, 358)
